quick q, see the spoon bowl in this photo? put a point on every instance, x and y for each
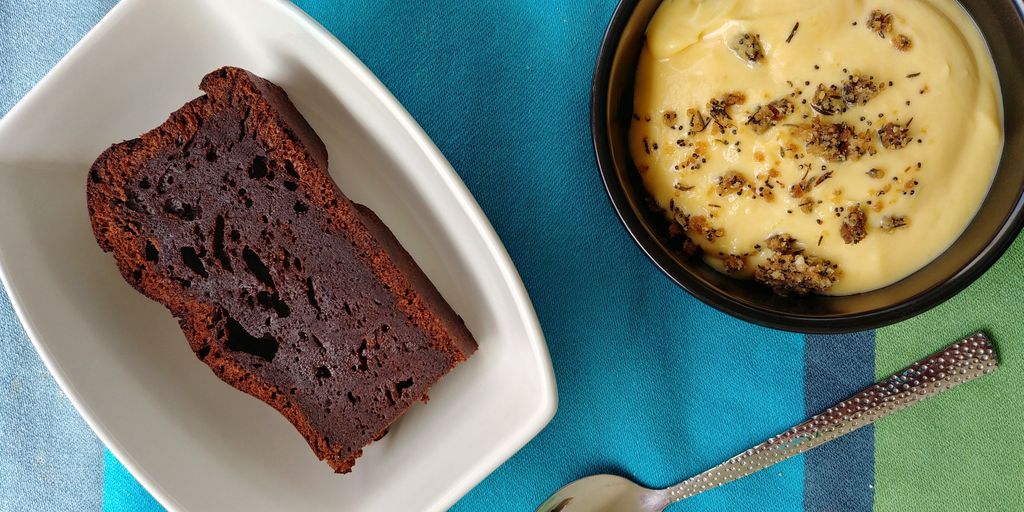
(605, 493)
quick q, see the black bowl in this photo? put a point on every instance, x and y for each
(995, 227)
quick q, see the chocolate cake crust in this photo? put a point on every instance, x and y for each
(287, 290)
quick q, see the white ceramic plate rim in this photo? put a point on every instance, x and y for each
(535, 338)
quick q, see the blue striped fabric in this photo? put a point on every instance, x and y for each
(839, 476)
(653, 384)
(121, 493)
(49, 459)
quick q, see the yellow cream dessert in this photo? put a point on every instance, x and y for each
(829, 147)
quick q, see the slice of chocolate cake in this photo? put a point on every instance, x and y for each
(290, 292)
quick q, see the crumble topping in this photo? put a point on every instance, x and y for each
(836, 142)
(783, 243)
(698, 225)
(789, 270)
(697, 121)
(854, 228)
(733, 263)
(891, 223)
(860, 89)
(895, 136)
(881, 23)
(828, 100)
(902, 43)
(730, 183)
(748, 47)
(718, 108)
(767, 116)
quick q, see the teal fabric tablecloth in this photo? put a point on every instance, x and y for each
(652, 384)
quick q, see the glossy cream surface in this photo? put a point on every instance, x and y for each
(942, 88)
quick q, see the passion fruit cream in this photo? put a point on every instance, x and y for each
(830, 147)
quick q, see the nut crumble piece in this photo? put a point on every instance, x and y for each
(697, 121)
(718, 108)
(880, 23)
(748, 47)
(730, 183)
(895, 136)
(733, 263)
(837, 142)
(698, 225)
(797, 274)
(828, 100)
(790, 271)
(860, 89)
(854, 228)
(767, 116)
(902, 43)
(891, 223)
(688, 247)
(670, 117)
(783, 244)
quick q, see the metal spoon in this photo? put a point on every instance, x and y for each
(962, 362)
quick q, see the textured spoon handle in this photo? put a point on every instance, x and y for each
(967, 360)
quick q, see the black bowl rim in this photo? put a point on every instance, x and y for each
(806, 324)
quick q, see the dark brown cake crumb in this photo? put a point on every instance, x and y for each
(895, 136)
(767, 116)
(748, 47)
(854, 228)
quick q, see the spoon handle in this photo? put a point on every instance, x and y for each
(962, 362)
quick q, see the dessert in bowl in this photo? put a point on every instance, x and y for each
(850, 149)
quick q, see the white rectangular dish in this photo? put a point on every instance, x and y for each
(194, 442)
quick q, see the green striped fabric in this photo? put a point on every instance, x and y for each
(961, 451)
